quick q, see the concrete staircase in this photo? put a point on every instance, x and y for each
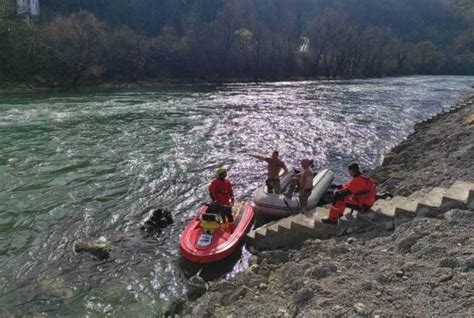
(430, 202)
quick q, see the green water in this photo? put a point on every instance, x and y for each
(80, 165)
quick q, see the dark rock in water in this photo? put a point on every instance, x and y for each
(159, 219)
(196, 287)
(100, 248)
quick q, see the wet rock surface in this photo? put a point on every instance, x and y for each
(99, 249)
(422, 267)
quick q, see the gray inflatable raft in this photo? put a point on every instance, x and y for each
(280, 206)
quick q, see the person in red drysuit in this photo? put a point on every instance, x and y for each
(359, 193)
(222, 193)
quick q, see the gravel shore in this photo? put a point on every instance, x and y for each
(425, 267)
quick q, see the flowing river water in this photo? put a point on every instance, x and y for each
(81, 165)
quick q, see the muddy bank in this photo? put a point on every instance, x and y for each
(423, 267)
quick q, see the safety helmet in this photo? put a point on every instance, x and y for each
(221, 170)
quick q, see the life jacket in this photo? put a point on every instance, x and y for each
(221, 191)
(367, 195)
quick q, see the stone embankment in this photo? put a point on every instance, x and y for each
(440, 151)
(422, 265)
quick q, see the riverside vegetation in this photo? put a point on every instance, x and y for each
(84, 42)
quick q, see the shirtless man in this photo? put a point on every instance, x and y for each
(303, 180)
(274, 167)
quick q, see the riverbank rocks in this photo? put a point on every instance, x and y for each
(232, 297)
(360, 309)
(449, 262)
(406, 243)
(460, 217)
(273, 257)
(302, 296)
(196, 287)
(320, 271)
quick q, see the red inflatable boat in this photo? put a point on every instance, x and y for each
(207, 239)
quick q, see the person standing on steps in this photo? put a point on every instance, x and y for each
(303, 181)
(275, 165)
(359, 193)
(222, 195)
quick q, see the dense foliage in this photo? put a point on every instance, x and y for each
(130, 40)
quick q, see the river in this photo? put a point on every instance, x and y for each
(84, 164)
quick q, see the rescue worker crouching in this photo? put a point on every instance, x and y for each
(359, 193)
(222, 195)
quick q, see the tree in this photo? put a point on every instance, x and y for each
(464, 52)
(375, 42)
(18, 49)
(74, 47)
(127, 54)
(332, 39)
(427, 58)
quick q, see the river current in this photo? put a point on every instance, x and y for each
(85, 164)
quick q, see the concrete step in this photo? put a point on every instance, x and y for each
(272, 232)
(461, 185)
(295, 229)
(387, 207)
(419, 194)
(285, 224)
(262, 231)
(259, 233)
(272, 228)
(320, 213)
(250, 236)
(465, 189)
(461, 195)
(440, 200)
(434, 197)
(304, 225)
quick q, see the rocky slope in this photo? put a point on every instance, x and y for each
(423, 267)
(440, 151)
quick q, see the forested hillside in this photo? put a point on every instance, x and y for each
(80, 41)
